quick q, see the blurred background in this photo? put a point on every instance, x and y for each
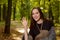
(12, 11)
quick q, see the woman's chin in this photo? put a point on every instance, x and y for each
(36, 20)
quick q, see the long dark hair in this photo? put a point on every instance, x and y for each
(33, 22)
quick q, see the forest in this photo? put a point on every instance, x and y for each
(12, 12)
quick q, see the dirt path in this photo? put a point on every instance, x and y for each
(17, 31)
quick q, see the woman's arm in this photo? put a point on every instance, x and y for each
(52, 34)
(26, 34)
(24, 22)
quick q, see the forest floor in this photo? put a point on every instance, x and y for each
(16, 32)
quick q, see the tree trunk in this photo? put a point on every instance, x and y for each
(14, 12)
(50, 13)
(4, 11)
(57, 14)
(59, 11)
(0, 12)
(8, 18)
(27, 9)
(21, 11)
(39, 2)
(51, 17)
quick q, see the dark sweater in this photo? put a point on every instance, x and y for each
(35, 31)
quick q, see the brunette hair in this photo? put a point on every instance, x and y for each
(33, 22)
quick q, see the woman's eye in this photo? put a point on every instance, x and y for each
(32, 13)
(36, 12)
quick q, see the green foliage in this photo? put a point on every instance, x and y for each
(23, 7)
(3, 1)
(2, 23)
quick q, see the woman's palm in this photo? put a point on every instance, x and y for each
(24, 22)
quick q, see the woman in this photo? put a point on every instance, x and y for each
(40, 28)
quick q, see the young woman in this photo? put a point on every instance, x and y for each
(40, 28)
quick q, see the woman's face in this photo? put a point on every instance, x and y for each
(35, 14)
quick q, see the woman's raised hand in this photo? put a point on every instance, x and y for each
(24, 22)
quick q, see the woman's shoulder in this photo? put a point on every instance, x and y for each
(49, 22)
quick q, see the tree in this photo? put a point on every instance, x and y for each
(27, 9)
(14, 9)
(0, 12)
(4, 11)
(21, 10)
(56, 11)
(8, 18)
(50, 11)
(57, 15)
(14, 12)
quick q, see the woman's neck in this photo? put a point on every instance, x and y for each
(40, 21)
